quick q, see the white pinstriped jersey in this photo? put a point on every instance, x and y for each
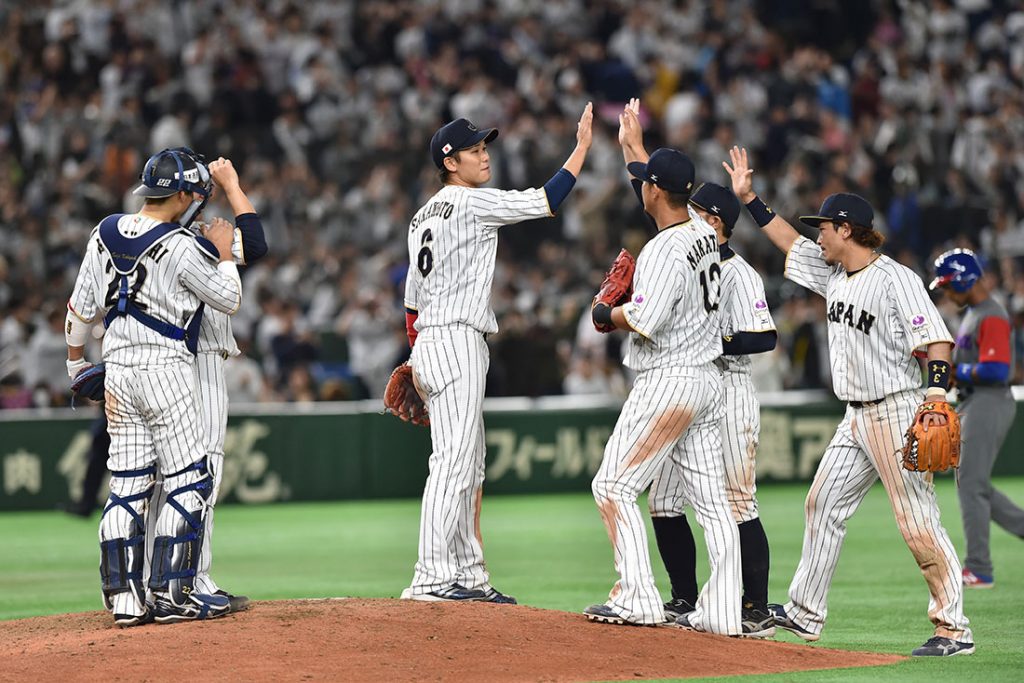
(215, 330)
(674, 309)
(877, 317)
(742, 308)
(453, 242)
(171, 280)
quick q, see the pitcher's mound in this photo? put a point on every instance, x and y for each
(391, 640)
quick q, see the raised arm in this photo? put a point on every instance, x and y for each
(779, 231)
(561, 184)
(221, 287)
(631, 133)
(252, 239)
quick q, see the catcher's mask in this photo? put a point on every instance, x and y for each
(958, 269)
(177, 170)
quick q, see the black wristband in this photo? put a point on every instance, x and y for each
(602, 314)
(938, 374)
(760, 212)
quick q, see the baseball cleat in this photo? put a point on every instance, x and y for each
(494, 595)
(975, 580)
(757, 624)
(943, 647)
(603, 614)
(782, 620)
(453, 593)
(238, 603)
(677, 607)
(683, 621)
(129, 620)
(201, 606)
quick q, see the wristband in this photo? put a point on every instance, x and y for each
(602, 314)
(760, 212)
(938, 376)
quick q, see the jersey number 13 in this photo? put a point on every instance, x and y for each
(711, 285)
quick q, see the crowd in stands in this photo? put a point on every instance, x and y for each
(327, 108)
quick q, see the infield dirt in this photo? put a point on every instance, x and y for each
(391, 640)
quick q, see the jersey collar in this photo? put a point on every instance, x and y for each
(725, 252)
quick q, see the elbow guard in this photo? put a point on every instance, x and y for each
(76, 332)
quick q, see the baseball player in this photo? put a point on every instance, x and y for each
(216, 344)
(673, 412)
(147, 277)
(984, 365)
(879, 313)
(453, 240)
(747, 328)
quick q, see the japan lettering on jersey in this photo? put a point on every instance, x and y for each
(743, 306)
(877, 317)
(674, 309)
(453, 242)
(168, 284)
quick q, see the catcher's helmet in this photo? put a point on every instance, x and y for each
(174, 170)
(177, 170)
(957, 268)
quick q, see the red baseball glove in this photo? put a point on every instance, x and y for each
(617, 287)
(401, 398)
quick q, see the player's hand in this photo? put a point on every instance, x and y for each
(631, 133)
(933, 419)
(584, 129)
(222, 234)
(740, 172)
(223, 173)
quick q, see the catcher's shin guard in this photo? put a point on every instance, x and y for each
(123, 536)
(179, 540)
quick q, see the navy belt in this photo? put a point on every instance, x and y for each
(865, 404)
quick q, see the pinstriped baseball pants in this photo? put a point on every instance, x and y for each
(671, 415)
(450, 368)
(866, 447)
(212, 395)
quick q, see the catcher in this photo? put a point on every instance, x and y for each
(879, 315)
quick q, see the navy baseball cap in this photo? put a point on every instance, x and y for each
(719, 201)
(459, 134)
(669, 169)
(171, 171)
(842, 206)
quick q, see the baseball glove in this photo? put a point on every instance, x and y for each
(89, 383)
(401, 398)
(937, 449)
(617, 287)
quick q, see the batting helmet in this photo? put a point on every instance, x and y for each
(958, 268)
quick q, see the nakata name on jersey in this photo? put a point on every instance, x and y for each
(703, 247)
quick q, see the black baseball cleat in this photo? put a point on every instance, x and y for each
(938, 646)
(200, 606)
(677, 607)
(453, 593)
(238, 603)
(494, 595)
(129, 620)
(757, 624)
(782, 620)
(604, 615)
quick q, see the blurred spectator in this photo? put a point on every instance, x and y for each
(326, 108)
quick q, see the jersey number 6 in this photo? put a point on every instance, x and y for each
(425, 259)
(711, 284)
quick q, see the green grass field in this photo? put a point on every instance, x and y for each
(552, 552)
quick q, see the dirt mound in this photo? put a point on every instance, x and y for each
(390, 640)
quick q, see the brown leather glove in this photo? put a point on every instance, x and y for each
(617, 287)
(401, 398)
(937, 449)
